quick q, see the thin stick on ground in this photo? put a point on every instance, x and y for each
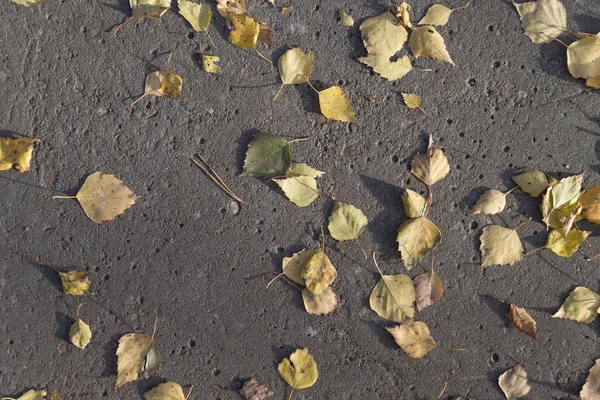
(211, 173)
(189, 392)
(443, 390)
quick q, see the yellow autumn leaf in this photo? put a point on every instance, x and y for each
(565, 245)
(346, 221)
(426, 42)
(403, 14)
(74, 282)
(335, 105)
(438, 15)
(345, 19)
(413, 337)
(432, 166)
(560, 204)
(245, 31)
(514, 383)
(300, 370)
(393, 296)
(300, 190)
(490, 202)
(166, 391)
(416, 237)
(412, 100)
(320, 304)
(30, 395)
(299, 169)
(591, 388)
(162, 83)
(318, 272)
(500, 246)
(209, 64)
(593, 82)
(228, 8)
(414, 204)
(136, 355)
(581, 305)
(153, 9)
(532, 182)
(295, 66)
(382, 35)
(590, 204)
(80, 334)
(28, 3)
(293, 266)
(198, 15)
(390, 70)
(16, 153)
(542, 20)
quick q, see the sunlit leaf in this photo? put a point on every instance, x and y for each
(581, 305)
(414, 204)
(428, 289)
(521, 320)
(426, 42)
(590, 204)
(542, 20)
(75, 282)
(198, 15)
(382, 35)
(318, 272)
(293, 266)
(335, 105)
(514, 383)
(500, 246)
(393, 297)
(413, 337)
(209, 64)
(16, 153)
(133, 353)
(345, 19)
(490, 202)
(165, 391)
(320, 304)
(416, 237)
(390, 70)
(566, 245)
(300, 370)
(432, 166)
(532, 182)
(80, 334)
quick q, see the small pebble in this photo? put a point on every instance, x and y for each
(234, 207)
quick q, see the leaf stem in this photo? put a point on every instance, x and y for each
(79, 308)
(154, 330)
(310, 84)
(212, 44)
(189, 392)
(443, 390)
(538, 249)
(120, 25)
(279, 91)
(273, 280)
(453, 349)
(263, 57)
(461, 8)
(64, 197)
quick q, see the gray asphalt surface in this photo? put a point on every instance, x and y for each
(184, 253)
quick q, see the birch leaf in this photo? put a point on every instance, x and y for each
(426, 42)
(581, 305)
(254, 390)
(593, 82)
(245, 31)
(165, 391)
(532, 182)
(74, 282)
(153, 9)
(500, 246)
(521, 320)
(542, 20)
(590, 203)
(390, 70)
(560, 204)
(209, 64)
(80, 334)
(32, 395)
(346, 221)
(335, 105)
(56, 396)
(300, 190)
(416, 237)
(566, 191)
(414, 204)
(490, 202)
(28, 3)
(436, 15)
(393, 297)
(295, 66)
(268, 156)
(591, 388)
(565, 245)
(198, 15)
(432, 166)
(428, 289)
(318, 272)
(413, 337)
(382, 35)
(411, 100)
(300, 370)
(162, 83)
(132, 354)
(320, 304)
(403, 14)
(514, 383)
(345, 19)
(299, 169)
(228, 8)
(16, 153)
(293, 266)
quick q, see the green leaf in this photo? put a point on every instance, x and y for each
(268, 156)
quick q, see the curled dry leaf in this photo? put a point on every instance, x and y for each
(428, 289)
(413, 337)
(514, 383)
(31, 395)
(521, 320)
(16, 153)
(490, 202)
(393, 297)
(254, 390)
(300, 370)
(80, 334)
(268, 156)
(582, 305)
(318, 272)
(346, 221)
(565, 245)
(293, 266)
(74, 282)
(165, 391)
(209, 64)
(390, 70)
(560, 204)
(426, 42)
(542, 20)
(500, 246)
(135, 355)
(345, 19)
(28, 3)
(335, 105)
(198, 15)
(403, 14)
(532, 182)
(414, 204)
(590, 204)
(432, 166)
(320, 304)
(416, 237)
(591, 388)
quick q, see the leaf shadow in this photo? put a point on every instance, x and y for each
(310, 98)
(499, 307)
(110, 355)
(493, 376)
(49, 274)
(144, 385)
(64, 326)
(553, 61)
(587, 22)
(242, 147)
(384, 337)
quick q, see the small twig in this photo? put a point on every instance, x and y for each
(79, 308)
(279, 91)
(120, 25)
(443, 390)
(189, 392)
(212, 174)
(461, 8)
(154, 330)
(64, 197)
(263, 57)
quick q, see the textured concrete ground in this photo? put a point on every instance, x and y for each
(188, 255)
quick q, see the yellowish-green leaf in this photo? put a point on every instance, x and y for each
(318, 272)
(165, 391)
(153, 9)
(162, 83)
(268, 156)
(542, 20)
(428, 289)
(432, 166)
(583, 58)
(560, 205)
(414, 204)
(132, 357)
(436, 15)
(74, 282)
(56, 396)
(521, 320)
(28, 3)
(426, 42)
(345, 19)
(80, 334)
(593, 82)
(393, 297)
(209, 64)
(566, 245)
(198, 15)
(532, 182)
(390, 70)
(335, 105)
(346, 221)
(590, 204)
(300, 370)
(299, 169)
(293, 266)
(228, 8)
(413, 337)
(245, 31)
(490, 202)
(382, 35)
(411, 100)
(16, 153)
(320, 304)
(591, 388)
(514, 383)
(295, 66)
(31, 395)
(254, 390)
(416, 237)
(581, 305)
(301, 190)
(500, 246)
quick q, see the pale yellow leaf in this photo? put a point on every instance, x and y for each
(165, 391)
(532, 182)
(414, 204)
(566, 245)
(581, 305)
(228, 8)
(300, 370)
(132, 354)
(16, 153)
(153, 9)
(335, 105)
(198, 15)
(80, 334)
(403, 14)
(490, 202)
(583, 58)
(293, 266)
(514, 383)
(436, 15)
(393, 297)
(426, 42)
(411, 100)
(300, 190)
(345, 19)
(591, 388)
(28, 3)
(432, 166)
(382, 35)
(542, 20)
(390, 70)
(162, 83)
(320, 304)
(500, 246)
(413, 337)
(299, 169)
(346, 221)
(295, 66)
(416, 237)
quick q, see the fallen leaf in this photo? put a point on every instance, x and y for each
(565, 245)
(412, 100)
(80, 333)
(268, 156)
(265, 35)
(335, 105)
(542, 20)
(300, 190)
(295, 67)
(403, 14)
(162, 83)
(521, 320)
(153, 9)
(414, 204)
(287, 10)
(228, 8)
(133, 356)
(593, 82)
(591, 388)
(165, 391)
(416, 237)
(198, 15)
(590, 204)
(490, 202)
(346, 221)
(560, 205)
(209, 64)
(425, 41)
(532, 182)
(254, 390)
(438, 15)
(320, 304)
(581, 305)
(500, 246)
(413, 337)
(300, 370)
(318, 272)
(390, 70)
(514, 383)
(432, 166)
(28, 3)
(245, 31)
(74, 282)
(345, 19)
(428, 289)
(382, 36)
(31, 395)
(293, 266)
(393, 297)
(56, 396)
(153, 363)
(16, 153)
(299, 169)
